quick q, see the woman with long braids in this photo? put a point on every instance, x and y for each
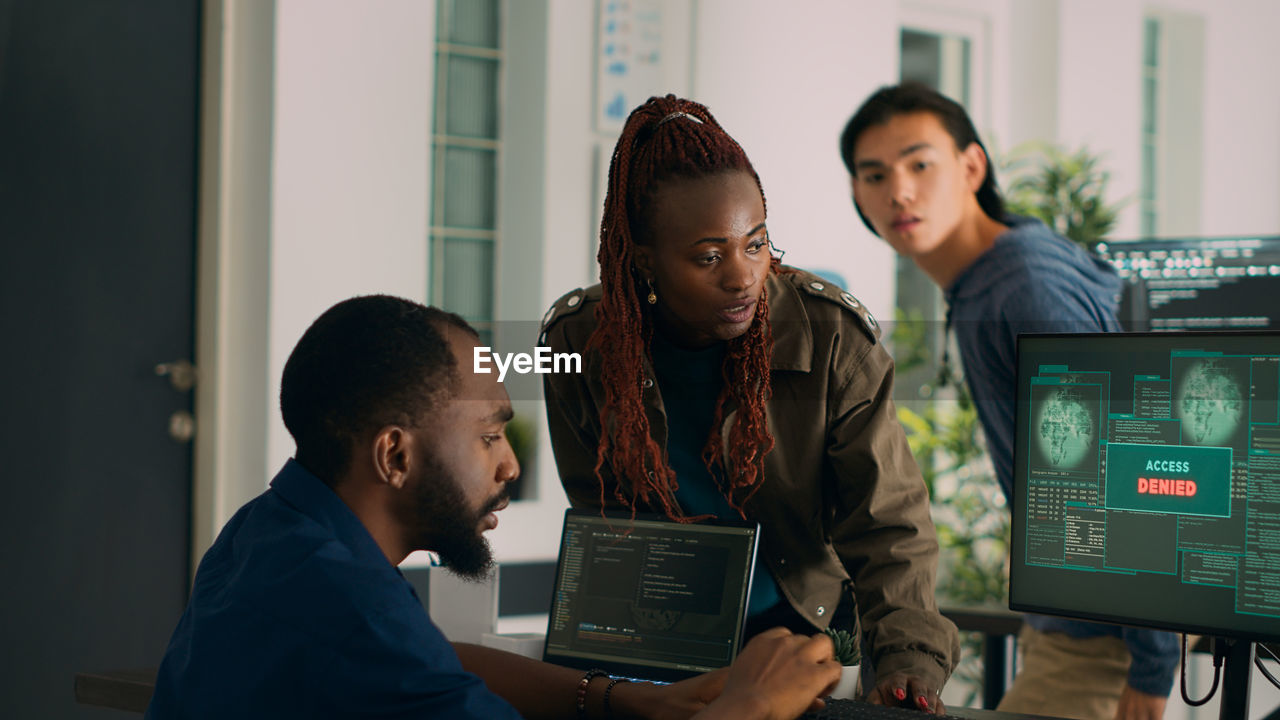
(718, 382)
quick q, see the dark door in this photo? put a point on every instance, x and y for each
(98, 148)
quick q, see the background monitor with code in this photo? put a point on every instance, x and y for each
(1206, 283)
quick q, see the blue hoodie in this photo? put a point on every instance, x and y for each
(1034, 280)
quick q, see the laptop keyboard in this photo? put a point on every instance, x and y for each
(843, 709)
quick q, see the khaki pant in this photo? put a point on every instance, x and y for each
(1067, 676)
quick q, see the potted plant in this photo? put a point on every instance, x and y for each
(1063, 188)
(849, 653)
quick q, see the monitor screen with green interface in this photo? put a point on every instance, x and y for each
(1147, 480)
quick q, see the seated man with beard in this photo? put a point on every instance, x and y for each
(298, 609)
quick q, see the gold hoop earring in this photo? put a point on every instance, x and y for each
(653, 297)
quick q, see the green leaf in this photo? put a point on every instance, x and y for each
(1065, 189)
(847, 650)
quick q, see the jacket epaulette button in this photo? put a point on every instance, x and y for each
(835, 294)
(852, 302)
(565, 305)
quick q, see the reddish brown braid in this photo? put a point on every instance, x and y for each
(659, 144)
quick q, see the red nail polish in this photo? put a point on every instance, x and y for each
(900, 694)
(920, 699)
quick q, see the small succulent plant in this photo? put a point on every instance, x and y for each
(846, 646)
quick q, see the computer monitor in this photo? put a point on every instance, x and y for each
(1198, 283)
(1147, 485)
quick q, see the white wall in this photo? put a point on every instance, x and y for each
(1095, 87)
(1033, 79)
(1241, 184)
(570, 230)
(783, 79)
(1098, 105)
(350, 179)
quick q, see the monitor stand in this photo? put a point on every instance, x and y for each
(1235, 679)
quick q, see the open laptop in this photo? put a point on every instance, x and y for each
(649, 598)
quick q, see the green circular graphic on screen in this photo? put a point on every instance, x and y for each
(1210, 403)
(1065, 428)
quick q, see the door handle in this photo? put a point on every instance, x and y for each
(182, 376)
(181, 373)
(182, 426)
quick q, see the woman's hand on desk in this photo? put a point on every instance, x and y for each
(904, 690)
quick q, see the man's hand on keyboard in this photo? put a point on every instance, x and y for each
(777, 675)
(903, 690)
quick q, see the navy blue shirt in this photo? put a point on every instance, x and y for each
(297, 613)
(1034, 280)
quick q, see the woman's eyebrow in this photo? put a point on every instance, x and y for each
(750, 232)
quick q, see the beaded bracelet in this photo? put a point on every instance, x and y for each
(608, 711)
(582, 690)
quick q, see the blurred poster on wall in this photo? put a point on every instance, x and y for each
(629, 59)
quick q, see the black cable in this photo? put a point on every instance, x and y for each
(1219, 652)
(1257, 660)
(1263, 647)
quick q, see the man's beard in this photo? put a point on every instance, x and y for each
(449, 527)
